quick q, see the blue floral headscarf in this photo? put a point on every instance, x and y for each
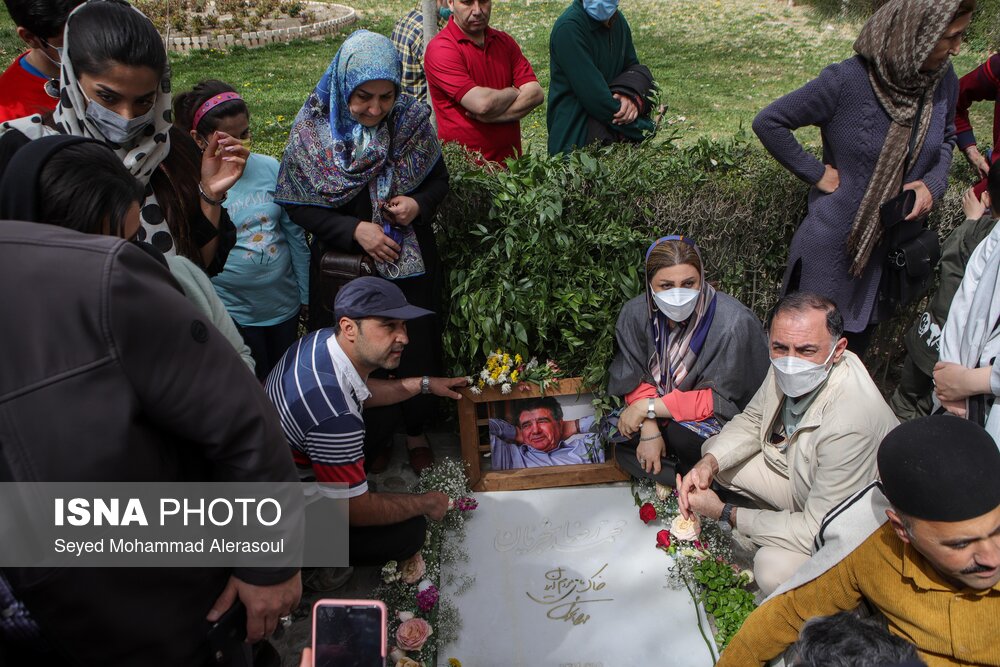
(330, 157)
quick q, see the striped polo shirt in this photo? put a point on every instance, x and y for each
(319, 395)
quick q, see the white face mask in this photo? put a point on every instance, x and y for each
(797, 377)
(677, 303)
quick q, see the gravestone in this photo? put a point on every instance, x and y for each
(570, 578)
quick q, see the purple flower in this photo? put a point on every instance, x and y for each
(466, 504)
(427, 598)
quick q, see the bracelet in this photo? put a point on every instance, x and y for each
(658, 436)
(213, 202)
(425, 385)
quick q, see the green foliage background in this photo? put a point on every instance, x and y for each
(539, 260)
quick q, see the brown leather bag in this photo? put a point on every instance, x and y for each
(336, 269)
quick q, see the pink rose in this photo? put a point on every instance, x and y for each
(413, 569)
(411, 634)
(685, 529)
(647, 513)
(663, 540)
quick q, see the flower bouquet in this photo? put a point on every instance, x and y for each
(508, 371)
(420, 618)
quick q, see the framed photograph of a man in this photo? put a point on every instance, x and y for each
(525, 440)
(542, 432)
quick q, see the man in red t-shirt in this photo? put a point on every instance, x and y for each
(982, 83)
(480, 82)
(40, 25)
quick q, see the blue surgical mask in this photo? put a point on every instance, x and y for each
(444, 12)
(115, 128)
(600, 10)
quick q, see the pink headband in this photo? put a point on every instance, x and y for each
(210, 104)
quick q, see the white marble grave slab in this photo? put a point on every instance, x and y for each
(570, 578)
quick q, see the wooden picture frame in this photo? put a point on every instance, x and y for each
(470, 420)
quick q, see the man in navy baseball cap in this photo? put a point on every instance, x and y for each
(320, 388)
(374, 297)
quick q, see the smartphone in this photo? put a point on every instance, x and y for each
(349, 633)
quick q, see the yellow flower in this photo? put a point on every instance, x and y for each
(517, 359)
(454, 662)
(514, 376)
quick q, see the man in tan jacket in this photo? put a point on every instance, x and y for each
(806, 441)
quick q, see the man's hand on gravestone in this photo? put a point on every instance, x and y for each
(436, 505)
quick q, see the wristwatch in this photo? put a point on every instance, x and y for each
(651, 409)
(425, 384)
(726, 520)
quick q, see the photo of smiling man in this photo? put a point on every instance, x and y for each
(540, 437)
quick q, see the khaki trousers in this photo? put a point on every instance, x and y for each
(770, 490)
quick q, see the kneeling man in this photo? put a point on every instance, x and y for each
(806, 441)
(932, 569)
(320, 387)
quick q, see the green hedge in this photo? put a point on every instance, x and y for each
(540, 259)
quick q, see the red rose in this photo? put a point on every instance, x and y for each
(663, 539)
(647, 513)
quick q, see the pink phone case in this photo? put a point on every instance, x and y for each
(330, 602)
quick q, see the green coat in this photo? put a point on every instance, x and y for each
(585, 56)
(924, 336)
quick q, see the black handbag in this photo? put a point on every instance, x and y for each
(336, 269)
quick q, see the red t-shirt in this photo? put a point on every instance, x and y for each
(23, 93)
(454, 65)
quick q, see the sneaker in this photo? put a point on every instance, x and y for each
(326, 579)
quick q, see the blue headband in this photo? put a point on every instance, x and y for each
(672, 237)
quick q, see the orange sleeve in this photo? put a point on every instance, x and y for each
(690, 406)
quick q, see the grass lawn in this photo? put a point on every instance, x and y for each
(718, 61)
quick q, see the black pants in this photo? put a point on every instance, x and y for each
(374, 545)
(683, 451)
(268, 344)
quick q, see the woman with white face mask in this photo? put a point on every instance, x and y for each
(114, 87)
(688, 359)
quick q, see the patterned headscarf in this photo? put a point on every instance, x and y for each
(679, 344)
(894, 43)
(141, 157)
(331, 157)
